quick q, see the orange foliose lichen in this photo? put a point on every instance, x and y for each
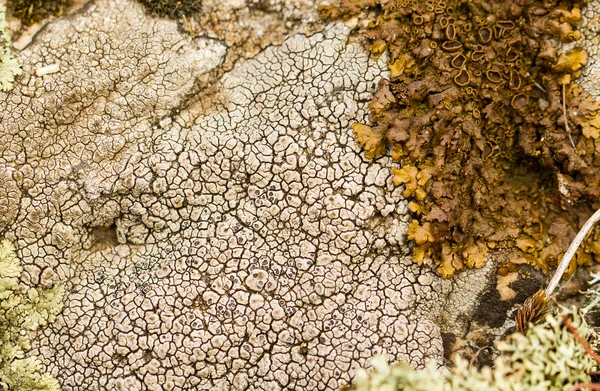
(370, 140)
(499, 150)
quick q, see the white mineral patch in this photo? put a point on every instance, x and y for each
(48, 69)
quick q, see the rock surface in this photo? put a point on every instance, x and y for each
(226, 238)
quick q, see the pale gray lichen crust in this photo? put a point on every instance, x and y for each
(590, 41)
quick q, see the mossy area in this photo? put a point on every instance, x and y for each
(9, 67)
(490, 157)
(172, 8)
(21, 313)
(32, 11)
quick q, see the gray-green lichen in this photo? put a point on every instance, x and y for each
(9, 67)
(547, 358)
(22, 312)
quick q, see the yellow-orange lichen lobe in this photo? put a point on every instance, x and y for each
(474, 111)
(370, 140)
(572, 61)
(401, 64)
(421, 234)
(475, 255)
(450, 261)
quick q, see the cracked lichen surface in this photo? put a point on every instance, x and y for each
(590, 30)
(236, 241)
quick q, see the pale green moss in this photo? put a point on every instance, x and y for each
(547, 358)
(9, 67)
(22, 312)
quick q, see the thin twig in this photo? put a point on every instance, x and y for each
(538, 305)
(580, 386)
(588, 349)
(564, 102)
(476, 355)
(564, 263)
(582, 342)
(538, 85)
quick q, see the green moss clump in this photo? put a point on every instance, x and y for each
(499, 150)
(547, 358)
(172, 8)
(20, 314)
(32, 11)
(9, 67)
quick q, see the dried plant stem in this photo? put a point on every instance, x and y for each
(582, 342)
(567, 322)
(564, 102)
(580, 386)
(538, 305)
(564, 263)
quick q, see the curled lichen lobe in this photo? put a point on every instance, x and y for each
(475, 106)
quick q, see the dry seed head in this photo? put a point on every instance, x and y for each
(533, 310)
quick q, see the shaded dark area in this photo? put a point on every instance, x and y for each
(491, 310)
(32, 11)
(498, 148)
(172, 8)
(104, 237)
(448, 341)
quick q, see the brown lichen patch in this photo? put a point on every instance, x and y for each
(172, 8)
(249, 26)
(488, 321)
(30, 12)
(33, 11)
(475, 111)
(103, 238)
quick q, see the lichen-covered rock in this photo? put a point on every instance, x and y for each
(590, 31)
(232, 238)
